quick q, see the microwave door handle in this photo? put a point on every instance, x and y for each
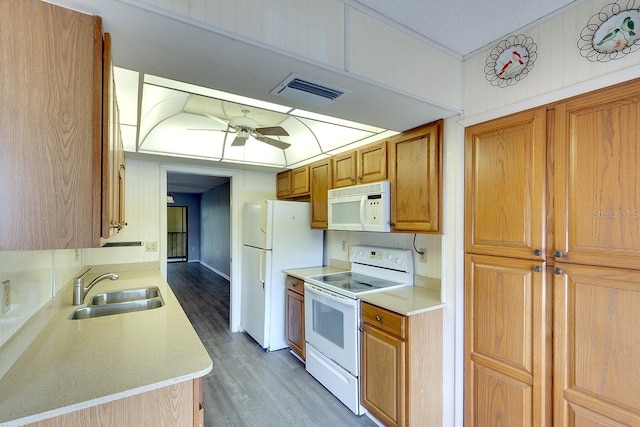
(363, 201)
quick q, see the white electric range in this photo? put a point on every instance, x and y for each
(332, 316)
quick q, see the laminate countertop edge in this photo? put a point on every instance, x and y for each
(76, 364)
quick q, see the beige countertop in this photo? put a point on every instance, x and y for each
(75, 364)
(408, 300)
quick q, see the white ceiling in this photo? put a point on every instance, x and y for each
(155, 42)
(462, 26)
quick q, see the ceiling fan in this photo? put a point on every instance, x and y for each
(246, 127)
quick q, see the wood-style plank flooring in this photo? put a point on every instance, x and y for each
(248, 386)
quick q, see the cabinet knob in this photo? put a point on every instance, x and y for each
(537, 252)
(558, 271)
(537, 269)
(378, 319)
(558, 254)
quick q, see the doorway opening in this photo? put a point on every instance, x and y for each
(177, 233)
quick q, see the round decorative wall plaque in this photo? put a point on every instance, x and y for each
(510, 61)
(611, 33)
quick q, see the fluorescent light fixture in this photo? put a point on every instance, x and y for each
(212, 93)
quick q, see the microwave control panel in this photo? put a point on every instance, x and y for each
(373, 211)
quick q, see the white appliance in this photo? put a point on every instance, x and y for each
(332, 316)
(276, 235)
(363, 207)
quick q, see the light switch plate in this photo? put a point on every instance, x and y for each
(151, 246)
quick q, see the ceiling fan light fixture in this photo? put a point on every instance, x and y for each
(243, 134)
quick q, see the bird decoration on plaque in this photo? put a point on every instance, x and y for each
(611, 33)
(510, 61)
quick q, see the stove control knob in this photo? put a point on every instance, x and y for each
(361, 253)
(390, 257)
(399, 261)
(354, 254)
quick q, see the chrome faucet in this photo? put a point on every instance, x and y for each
(79, 290)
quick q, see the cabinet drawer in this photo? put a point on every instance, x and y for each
(386, 320)
(295, 285)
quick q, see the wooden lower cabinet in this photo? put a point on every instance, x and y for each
(401, 366)
(177, 405)
(507, 342)
(596, 346)
(294, 325)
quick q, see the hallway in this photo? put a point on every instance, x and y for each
(248, 386)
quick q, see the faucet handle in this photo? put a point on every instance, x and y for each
(79, 280)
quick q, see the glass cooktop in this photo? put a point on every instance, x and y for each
(354, 282)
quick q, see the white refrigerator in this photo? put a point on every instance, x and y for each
(276, 235)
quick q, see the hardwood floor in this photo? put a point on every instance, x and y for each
(248, 386)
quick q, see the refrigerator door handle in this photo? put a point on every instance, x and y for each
(261, 268)
(263, 217)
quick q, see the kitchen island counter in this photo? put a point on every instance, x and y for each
(76, 364)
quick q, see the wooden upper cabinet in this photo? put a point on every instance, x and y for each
(505, 186)
(283, 184)
(372, 162)
(508, 350)
(300, 181)
(415, 173)
(597, 178)
(320, 176)
(113, 163)
(367, 164)
(596, 346)
(293, 183)
(344, 169)
(51, 127)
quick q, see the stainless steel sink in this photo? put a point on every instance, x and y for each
(124, 296)
(118, 302)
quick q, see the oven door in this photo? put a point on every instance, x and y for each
(331, 325)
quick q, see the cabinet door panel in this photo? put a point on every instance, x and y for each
(597, 212)
(372, 163)
(320, 183)
(415, 173)
(295, 323)
(383, 375)
(344, 170)
(505, 186)
(508, 333)
(596, 343)
(499, 397)
(50, 124)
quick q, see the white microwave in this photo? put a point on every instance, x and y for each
(363, 207)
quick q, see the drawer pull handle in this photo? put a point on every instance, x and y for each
(378, 319)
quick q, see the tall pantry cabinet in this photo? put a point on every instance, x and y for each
(552, 275)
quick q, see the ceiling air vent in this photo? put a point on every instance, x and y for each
(310, 91)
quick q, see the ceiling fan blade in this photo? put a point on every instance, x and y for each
(272, 130)
(278, 144)
(238, 141)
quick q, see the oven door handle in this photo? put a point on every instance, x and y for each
(331, 295)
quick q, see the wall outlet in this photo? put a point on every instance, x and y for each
(151, 247)
(423, 255)
(344, 246)
(6, 296)
(193, 248)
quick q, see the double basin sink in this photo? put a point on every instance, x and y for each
(117, 302)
